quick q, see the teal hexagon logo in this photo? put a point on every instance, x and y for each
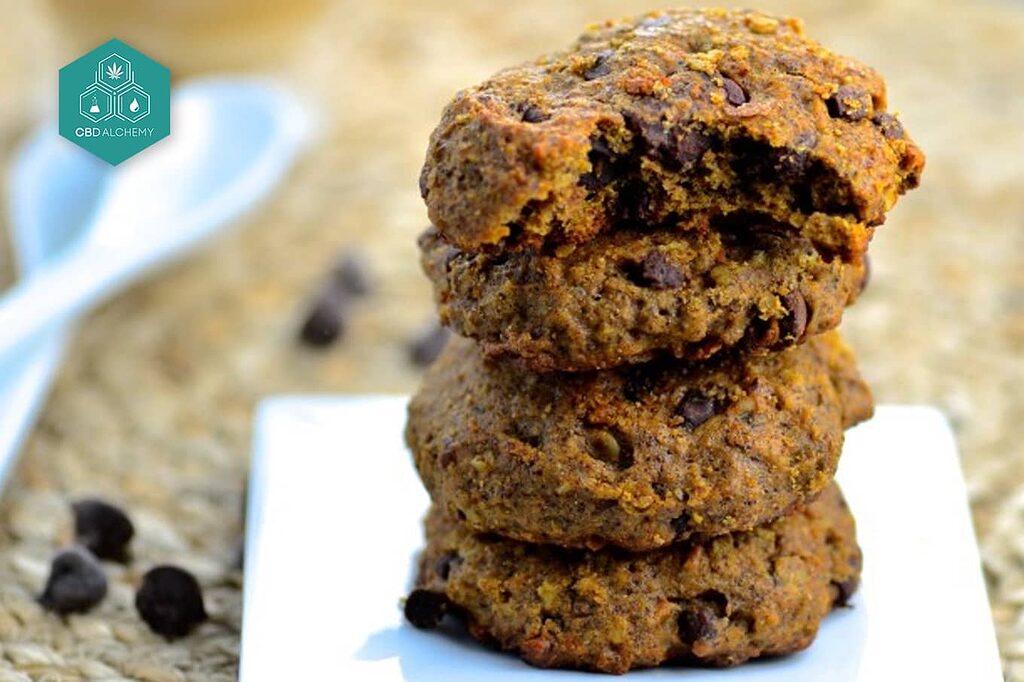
(114, 102)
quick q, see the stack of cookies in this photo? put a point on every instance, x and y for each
(645, 242)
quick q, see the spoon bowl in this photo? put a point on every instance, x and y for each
(231, 142)
(81, 228)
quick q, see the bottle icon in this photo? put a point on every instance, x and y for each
(95, 108)
(134, 106)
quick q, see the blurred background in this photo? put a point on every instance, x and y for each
(153, 404)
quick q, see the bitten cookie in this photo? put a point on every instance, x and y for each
(719, 602)
(637, 457)
(629, 295)
(671, 113)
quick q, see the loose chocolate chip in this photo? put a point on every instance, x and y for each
(696, 623)
(76, 583)
(889, 125)
(533, 114)
(325, 323)
(794, 324)
(425, 348)
(600, 67)
(351, 275)
(658, 272)
(170, 601)
(850, 103)
(696, 409)
(425, 609)
(443, 565)
(844, 591)
(734, 93)
(103, 529)
(611, 448)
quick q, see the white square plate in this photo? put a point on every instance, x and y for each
(334, 525)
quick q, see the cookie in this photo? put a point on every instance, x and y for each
(717, 602)
(671, 113)
(637, 457)
(627, 296)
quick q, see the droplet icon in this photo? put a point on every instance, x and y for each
(134, 106)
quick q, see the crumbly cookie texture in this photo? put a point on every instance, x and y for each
(628, 296)
(671, 113)
(717, 602)
(637, 457)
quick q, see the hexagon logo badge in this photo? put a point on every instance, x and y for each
(114, 102)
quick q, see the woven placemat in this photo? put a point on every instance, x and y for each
(153, 407)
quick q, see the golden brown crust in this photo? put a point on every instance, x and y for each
(637, 457)
(666, 114)
(629, 296)
(719, 602)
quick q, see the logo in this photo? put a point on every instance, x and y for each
(114, 102)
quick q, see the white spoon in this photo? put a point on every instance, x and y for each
(230, 142)
(56, 190)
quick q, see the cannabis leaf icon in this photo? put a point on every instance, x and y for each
(114, 72)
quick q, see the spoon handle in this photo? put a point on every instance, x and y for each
(54, 295)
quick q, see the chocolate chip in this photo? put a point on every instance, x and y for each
(103, 529)
(845, 590)
(889, 125)
(533, 114)
(611, 448)
(764, 334)
(170, 601)
(681, 148)
(425, 609)
(696, 408)
(681, 524)
(690, 147)
(639, 383)
(734, 93)
(600, 67)
(850, 103)
(351, 275)
(794, 324)
(601, 166)
(865, 279)
(792, 165)
(696, 623)
(425, 348)
(424, 183)
(443, 565)
(658, 272)
(76, 582)
(637, 202)
(325, 323)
